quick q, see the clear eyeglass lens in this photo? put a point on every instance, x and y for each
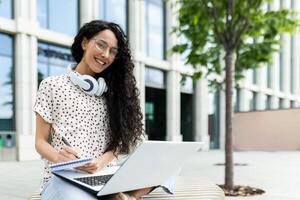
(102, 46)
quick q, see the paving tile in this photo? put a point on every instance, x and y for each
(275, 172)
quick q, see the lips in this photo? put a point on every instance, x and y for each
(100, 61)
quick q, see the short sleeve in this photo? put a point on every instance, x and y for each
(44, 101)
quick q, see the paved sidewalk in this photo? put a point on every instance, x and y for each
(276, 172)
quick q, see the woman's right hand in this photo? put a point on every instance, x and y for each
(68, 153)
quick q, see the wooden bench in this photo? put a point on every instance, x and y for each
(186, 188)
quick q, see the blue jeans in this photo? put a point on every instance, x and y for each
(59, 189)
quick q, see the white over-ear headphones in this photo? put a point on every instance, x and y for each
(87, 83)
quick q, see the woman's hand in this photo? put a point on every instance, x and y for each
(96, 165)
(68, 153)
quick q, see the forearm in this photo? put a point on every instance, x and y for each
(106, 158)
(47, 151)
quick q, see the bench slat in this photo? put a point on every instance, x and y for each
(185, 189)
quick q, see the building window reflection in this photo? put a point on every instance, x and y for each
(154, 29)
(249, 101)
(115, 11)
(155, 104)
(249, 76)
(6, 84)
(52, 60)
(186, 108)
(214, 119)
(60, 16)
(235, 100)
(6, 9)
(281, 68)
(154, 78)
(269, 102)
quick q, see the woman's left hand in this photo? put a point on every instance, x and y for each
(93, 167)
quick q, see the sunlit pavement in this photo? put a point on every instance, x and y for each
(278, 173)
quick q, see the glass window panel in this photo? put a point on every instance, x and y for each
(42, 71)
(66, 10)
(42, 57)
(57, 70)
(253, 101)
(269, 76)
(6, 99)
(249, 76)
(292, 61)
(6, 9)
(6, 45)
(60, 56)
(184, 55)
(6, 84)
(52, 60)
(269, 102)
(236, 100)
(211, 103)
(154, 29)
(42, 13)
(60, 16)
(264, 99)
(115, 11)
(255, 71)
(154, 78)
(281, 68)
(249, 100)
(264, 72)
(281, 101)
(187, 85)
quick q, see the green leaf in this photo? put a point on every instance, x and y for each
(203, 24)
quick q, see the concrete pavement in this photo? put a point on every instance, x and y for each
(275, 172)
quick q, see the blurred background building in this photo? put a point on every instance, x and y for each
(35, 36)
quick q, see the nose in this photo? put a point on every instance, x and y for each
(105, 53)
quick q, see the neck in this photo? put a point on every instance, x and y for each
(84, 69)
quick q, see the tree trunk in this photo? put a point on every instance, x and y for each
(229, 68)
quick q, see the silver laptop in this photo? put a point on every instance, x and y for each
(151, 164)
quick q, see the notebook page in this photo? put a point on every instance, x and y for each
(70, 164)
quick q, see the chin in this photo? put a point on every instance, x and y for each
(97, 69)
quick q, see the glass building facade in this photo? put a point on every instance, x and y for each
(59, 16)
(155, 105)
(115, 11)
(6, 9)
(186, 110)
(155, 29)
(52, 60)
(6, 83)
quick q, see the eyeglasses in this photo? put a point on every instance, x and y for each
(102, 46)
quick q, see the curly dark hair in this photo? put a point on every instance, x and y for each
(125, 116)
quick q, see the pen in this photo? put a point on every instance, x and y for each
(68, 144)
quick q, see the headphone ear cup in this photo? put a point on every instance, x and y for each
(102, 87)
(92, 83)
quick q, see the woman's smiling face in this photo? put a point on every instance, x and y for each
(100, 51)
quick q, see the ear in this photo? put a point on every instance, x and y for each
(84, 43)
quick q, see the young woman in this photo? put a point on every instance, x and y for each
(95, 124)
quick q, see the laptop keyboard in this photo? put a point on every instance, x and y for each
(95, 180)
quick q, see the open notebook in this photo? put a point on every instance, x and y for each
(70, 164)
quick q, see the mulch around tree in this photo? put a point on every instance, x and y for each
(239, 190)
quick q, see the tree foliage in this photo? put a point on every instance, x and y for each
(251, 32)
(242, 31)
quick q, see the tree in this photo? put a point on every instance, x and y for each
(241, 30)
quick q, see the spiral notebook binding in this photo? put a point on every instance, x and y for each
(70, 164)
